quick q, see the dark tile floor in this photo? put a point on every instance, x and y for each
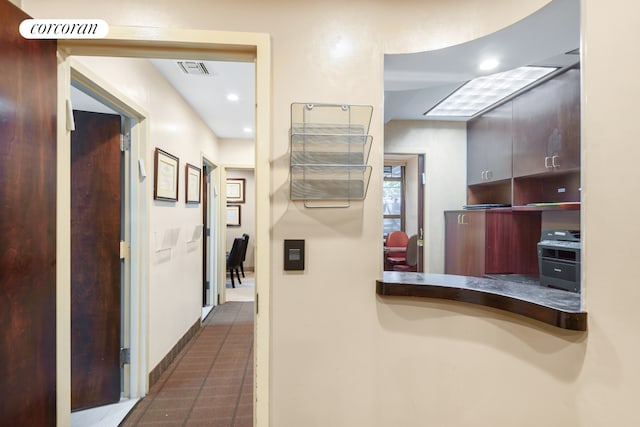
(211, 381)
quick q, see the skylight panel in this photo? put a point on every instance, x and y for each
(478, 94)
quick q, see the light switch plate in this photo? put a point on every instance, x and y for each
(294, 255)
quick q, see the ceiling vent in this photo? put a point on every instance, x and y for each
(194, 68)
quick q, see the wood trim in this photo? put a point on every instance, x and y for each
(166, 361)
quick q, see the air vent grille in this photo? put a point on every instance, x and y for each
(194, 68)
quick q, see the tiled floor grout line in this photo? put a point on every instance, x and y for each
(224, 340)
(244, 376)
(174, 365)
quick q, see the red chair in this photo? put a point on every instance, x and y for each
(395, 249)
(411, 256)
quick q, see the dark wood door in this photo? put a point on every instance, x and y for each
(27, 225)
(546, 124)
(205, 232)
(95, 263)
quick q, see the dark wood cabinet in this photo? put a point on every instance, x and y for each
(465, 241)
(495, 241)
(546, 127)
(524, 153)
(489, 146)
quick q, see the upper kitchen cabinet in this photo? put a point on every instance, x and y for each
(546, 127)
(489, 146)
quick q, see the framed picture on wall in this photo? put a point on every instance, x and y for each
(235, 190)
(165, 177)
(192, 184)
(233, 215)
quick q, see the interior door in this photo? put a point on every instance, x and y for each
(205, 236)
(96, 188)
(27, 225)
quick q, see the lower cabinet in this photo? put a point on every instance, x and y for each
(484, 242)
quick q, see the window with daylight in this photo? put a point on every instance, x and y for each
(393, 198)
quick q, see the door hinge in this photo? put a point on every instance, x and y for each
(208, 232)
(125, 142)
(125, 356)
(257, 306)
(124, 250)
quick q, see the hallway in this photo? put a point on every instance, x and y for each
(211, 381)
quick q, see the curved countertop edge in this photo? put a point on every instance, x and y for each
(555, 316)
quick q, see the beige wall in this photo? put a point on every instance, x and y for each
(444, 145)
(236, 152)
(175, 274)
(340, 356)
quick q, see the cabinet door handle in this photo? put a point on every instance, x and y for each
(458, 219)
(482, 175)
(553, 161)
(462, 219)
(546, 162)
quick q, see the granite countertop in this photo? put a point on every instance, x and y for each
(528, 298)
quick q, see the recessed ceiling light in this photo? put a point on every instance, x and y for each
(489, 64)
(247, 129)
(481, 93)
(233, 97)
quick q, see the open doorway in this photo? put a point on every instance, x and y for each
(242, 287)
(403, 212)
(211, 235)
(183, 44)
(104, 284)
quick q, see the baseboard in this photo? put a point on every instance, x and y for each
(161, 367)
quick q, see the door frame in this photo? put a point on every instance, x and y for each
(166, 43)
(135, 232)
(213, 204)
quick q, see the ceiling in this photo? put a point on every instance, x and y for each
(206, 94)
(414, 83)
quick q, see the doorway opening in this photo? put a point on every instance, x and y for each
(211, 235)
(105, 125)
(185, 44)
(242, 287)
(404, 180)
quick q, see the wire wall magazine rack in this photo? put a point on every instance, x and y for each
(330, 145)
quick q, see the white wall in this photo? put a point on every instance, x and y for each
(341, 356)
(247, 214)
(445, 147)
(175, 275)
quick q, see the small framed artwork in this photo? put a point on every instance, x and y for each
(192, 180)
(233, 215)
(165, 176)
(235, 190)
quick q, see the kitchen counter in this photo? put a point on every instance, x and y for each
(552, 306)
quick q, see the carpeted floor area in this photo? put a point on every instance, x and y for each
(211, 381)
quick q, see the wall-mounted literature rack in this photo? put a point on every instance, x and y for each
(330, 145)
